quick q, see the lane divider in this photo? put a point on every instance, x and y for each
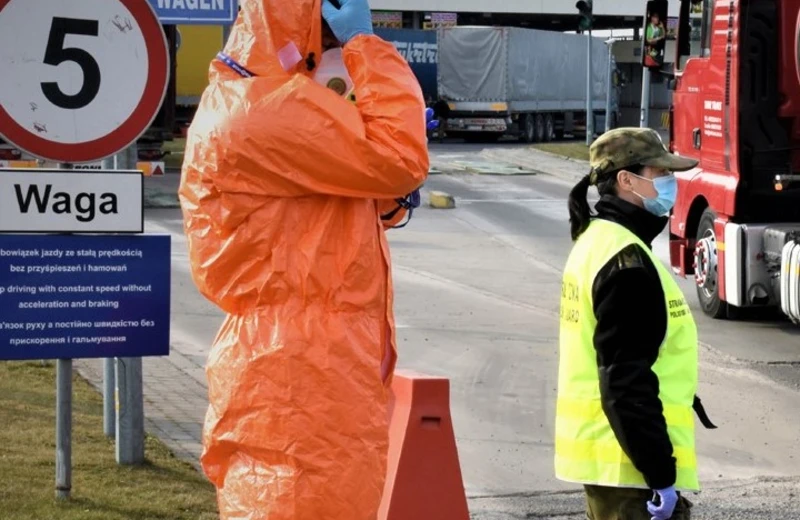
(423, 480)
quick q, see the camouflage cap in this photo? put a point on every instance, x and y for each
(623, 147)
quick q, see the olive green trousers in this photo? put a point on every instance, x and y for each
(606, 503)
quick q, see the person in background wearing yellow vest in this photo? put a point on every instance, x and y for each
(628, 366)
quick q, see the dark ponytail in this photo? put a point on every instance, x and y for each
(579, 212)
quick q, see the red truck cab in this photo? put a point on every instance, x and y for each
(736, 108)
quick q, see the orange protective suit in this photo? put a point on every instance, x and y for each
(283, 188)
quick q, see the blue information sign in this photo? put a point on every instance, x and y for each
(207, 12)
(84, 296)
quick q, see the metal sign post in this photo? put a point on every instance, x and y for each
(589, 100)
(130, 420)
(109, 370)
(644, 109)
(63, 428)
(609, 84)
(644, 114)
(64, 423)
(128, 379)
(586, 22)
(109, 398)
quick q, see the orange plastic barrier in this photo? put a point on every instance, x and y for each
(423, 480)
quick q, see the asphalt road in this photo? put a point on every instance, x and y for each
(477, 293)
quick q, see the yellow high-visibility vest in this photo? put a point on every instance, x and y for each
(586, 449)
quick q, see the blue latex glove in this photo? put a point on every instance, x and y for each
(354, 18)
(668, 499)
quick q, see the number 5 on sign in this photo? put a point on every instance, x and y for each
(81, 80)
(56, 54)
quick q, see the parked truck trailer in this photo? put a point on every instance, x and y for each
(524, 82)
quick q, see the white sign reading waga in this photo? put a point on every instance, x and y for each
(71, 201)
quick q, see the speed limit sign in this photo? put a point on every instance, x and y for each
(80, 80)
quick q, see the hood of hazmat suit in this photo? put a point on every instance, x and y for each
(283, 188)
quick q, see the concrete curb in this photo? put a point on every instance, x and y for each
(441, 200)
(562, 157)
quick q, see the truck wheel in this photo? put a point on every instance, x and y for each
(528, 129)
(705, 269)
(549, 128)
(540, 128)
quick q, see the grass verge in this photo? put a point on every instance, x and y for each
(572, 150)
(163, 488)
(174, 160)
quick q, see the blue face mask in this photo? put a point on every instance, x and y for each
(667, 189)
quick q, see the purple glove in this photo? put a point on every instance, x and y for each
(415, 199)
(666, 499)
(432, 123)
(412, 201)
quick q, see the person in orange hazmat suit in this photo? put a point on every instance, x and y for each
(287, 189)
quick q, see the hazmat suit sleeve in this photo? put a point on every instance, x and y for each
(297, 138)
(391, 212)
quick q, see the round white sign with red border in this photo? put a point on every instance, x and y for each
(80, 80)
